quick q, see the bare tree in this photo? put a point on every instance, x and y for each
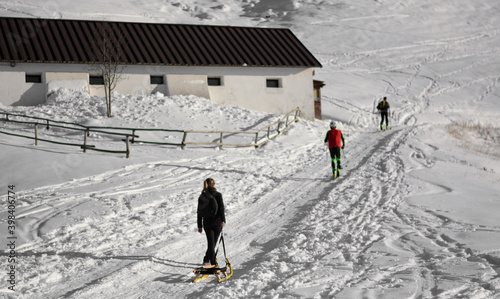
(108, 60)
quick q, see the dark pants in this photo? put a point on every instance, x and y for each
(385, 115)
(335, 155)
(213, 234)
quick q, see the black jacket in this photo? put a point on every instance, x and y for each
(219, 217)
(383, 106)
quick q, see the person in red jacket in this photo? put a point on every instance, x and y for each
(335, 140)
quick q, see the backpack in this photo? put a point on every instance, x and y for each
(208, 205)
(383, 105)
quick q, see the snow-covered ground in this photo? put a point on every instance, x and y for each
(415, 214)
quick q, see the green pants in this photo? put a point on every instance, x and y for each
(335, 155)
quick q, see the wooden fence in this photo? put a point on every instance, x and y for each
(129, 136)
(261, 136)
(69, 126)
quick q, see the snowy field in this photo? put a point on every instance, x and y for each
(415, 215)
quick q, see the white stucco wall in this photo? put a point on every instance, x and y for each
(15, 91)
(248, 89)
(188, 84)
(242, 86)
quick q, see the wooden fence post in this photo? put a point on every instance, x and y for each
(48, 127)
(183, 144)
(257, 138)
(128, 147)
(36, 134)
(221, 141)
(85, 141)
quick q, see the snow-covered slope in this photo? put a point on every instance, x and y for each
(415, 214)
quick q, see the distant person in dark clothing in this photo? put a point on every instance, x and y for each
(384, 109)
(211, 217)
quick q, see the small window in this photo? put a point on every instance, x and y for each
(156, 79)
(214, 81)
(30, 78)
(273, 83)
(96, 80)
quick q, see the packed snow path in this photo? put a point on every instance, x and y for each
(292, 231)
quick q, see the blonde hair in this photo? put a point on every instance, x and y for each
(208, 184)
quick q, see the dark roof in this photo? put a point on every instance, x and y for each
(75, 41)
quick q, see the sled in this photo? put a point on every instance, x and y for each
(221, 273)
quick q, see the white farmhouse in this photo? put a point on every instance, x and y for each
(265, 69)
